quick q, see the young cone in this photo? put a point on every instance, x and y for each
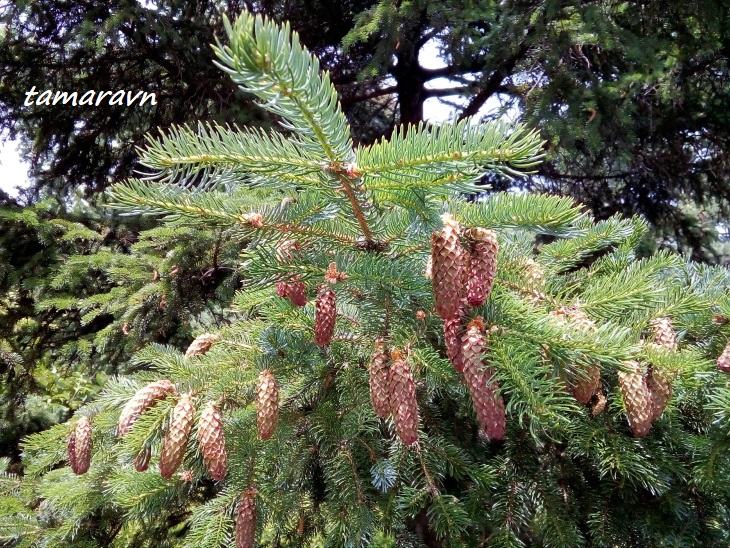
(482, 266)
(145, 398)
(637, 398)
(453, 333)
(659, 385)
(267, 410)
(83, 445)
(586, 385)
(379, 379)
(447, 270)
(489, 406)
(176, 439)
(201, 344)
(212, 444)
(297, 293)
(403, 399)
(142, 461)
(71, 452)
(246, 520)
(324, 317)
(723, 361)
(664, 334)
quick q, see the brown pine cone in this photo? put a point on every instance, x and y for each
(454, 329)
(212, 443)
(267, 410)
(664, 334)
(379, 380)
(659, 385)
(488, 405)
(142, 461)
(585, 386)
(637, 399)
(83, 445)
(402, 397)
(201, 344)
(447, 271)
(71, 452)
(324, 317)
(482, 265)
(246, 520)
(145, 398)
(723, 361)
(176, 439)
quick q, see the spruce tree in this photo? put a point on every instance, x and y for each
(403, 365)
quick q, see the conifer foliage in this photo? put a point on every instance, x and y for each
(512, 399)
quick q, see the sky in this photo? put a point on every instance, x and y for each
(14, 170)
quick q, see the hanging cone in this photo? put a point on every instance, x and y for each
(379, 380)
(447, 272)
(659, 385)
(83, 445)
(142, 461)
(201, 344)
(267, 410)
(71, 452)
(403, 399)
(482, 266)
(723, 362)
(324, 317)
(637, 398)
(488, 405)
(176, 439)
(585, 387)
(663, 333)
(144, 399)
(297, 293)
(212, 444)
(454, 329)
(246, 520)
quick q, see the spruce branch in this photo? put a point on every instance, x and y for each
(267, 60)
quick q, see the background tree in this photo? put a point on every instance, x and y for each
(588, 410)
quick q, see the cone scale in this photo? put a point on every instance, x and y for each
(82, 444)
(402, 396)
(176, 439)
(246, 520)
(379, 377)
(482, 266)
(637, 398)
(267, 409)
(447, 270)
(212, 444)
(324, 317)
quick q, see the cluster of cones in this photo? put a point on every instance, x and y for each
(462, 277)
(393, 391)
(647, 389)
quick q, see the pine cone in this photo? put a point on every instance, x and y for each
(142, 461)
(144, 399)
(267, 409)
(453, 333)
(212, 444)
(297, 293)
(448, 268)
(585, 386)
(723, 362)
(83, 445)
(636, 398)
(379, 380)
(201, 344)
(664, 334)
(482, 265)
(324, 317)
(246, 520)
(659, 385)
(282, 289)
(71, 452)
(403, 399)
(176, 439)
(488, 405)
